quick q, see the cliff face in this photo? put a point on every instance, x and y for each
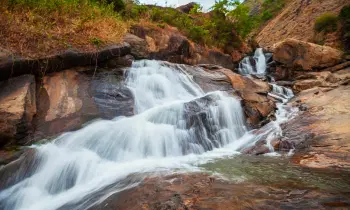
(297, 19)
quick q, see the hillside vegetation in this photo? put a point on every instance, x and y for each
(36, 28)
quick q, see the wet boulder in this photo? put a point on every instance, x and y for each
(200, 120)
(17, 108)
(257, 105)
(259, 148)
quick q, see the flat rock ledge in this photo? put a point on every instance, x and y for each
(12, 66)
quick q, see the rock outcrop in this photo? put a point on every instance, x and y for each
(186, 8)
(17, 108)
(12, 66)
(138, 46)
(69, 98)
(305, 56)
(169, 44)
(324, 79)
(321, 132)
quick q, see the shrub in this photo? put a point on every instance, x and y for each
(197, 9)
(198, 33)
(266, 15)
(118, 5)
(345, 13)
(326, 23)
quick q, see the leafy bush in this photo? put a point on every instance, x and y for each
(266, 15)
(326, 23)
(134, 11)
(345, 13)
(197, 9)
(198, 33)
(118, 5)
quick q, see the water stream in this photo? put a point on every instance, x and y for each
(176, 126)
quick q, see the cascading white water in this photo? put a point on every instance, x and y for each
(175, 122)
(256, 65)
(260, 59)
(246, 66)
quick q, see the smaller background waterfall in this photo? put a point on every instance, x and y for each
(256, 64)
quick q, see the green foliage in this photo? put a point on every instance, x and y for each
(96, 41)
(197, 9)
(118, 5)
(85, 8)
(134, 11)
(243, 23)
(345, 13)
(227, 21)
(266, 15)
(198, 33)
(326, 23)
(273, 6)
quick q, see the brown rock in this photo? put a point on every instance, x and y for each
(321, 134)
(196, 191)
(125, 61)
(321, 79)
(17, 108)
(219, 58)
(186, 8)
(275, 143)
(138, 46)
(70, 98)
(306, 84)
(169, 44)
(257, 105)
(62, 91)
(305, 55)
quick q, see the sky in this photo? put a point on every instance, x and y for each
(205, 3)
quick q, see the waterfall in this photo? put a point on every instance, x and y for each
(253, 65)
(257, 65)
(259, 57)
(175, 123)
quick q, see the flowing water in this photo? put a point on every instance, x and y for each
(253, 64)
(176, 126)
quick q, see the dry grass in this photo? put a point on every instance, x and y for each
(33, 32)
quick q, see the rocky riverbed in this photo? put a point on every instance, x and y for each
(251, 160)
